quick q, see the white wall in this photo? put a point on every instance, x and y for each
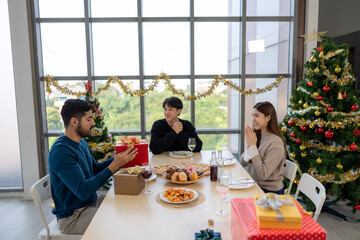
(311, 23)
(25, 103)
(339, 17)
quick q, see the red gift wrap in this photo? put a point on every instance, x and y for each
(142, 155)
(244, 224)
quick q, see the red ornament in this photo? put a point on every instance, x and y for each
(88, 86)
(357, 207)
(109, 138)
(310, 84)
(303, 128)
(319, 98)
(291, 122)
(353, 147)
(356, 132)
(321, 130)
(354, 107)
(326, 88)
(319, 49)
(329, 109)
(292, 134)
(316, 131)
(298, 140)
(329, 134)
(344, 95)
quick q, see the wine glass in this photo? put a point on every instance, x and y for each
(226, 172)
(191, 146)
(222, 188)
(146, 173)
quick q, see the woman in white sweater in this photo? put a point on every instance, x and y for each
(266, 149)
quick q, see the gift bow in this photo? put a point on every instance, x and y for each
(272, 201)
(130, 140)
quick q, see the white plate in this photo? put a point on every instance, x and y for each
(230, 162)
(187, 189)
(180, 154)
(241, 186)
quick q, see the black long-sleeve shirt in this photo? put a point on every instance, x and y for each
(164, 138)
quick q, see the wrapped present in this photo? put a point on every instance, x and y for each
(128, 182)
(143, 150)
(277, 211)
(244, 224)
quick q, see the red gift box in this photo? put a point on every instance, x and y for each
(142, 155)
(244, 224)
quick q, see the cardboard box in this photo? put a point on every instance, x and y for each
(244, 224)
(142, 155)
(287, 217)
(128, 184)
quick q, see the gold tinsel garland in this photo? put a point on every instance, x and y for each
(96, 132)
(345, 177)
(167, 79)
(101, 147)
(322, 123)
(322, 146)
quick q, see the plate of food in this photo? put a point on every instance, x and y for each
(178, 195)
(160, 169)
(242, 183)
(180, 154)
(183, 175)
(205, 168)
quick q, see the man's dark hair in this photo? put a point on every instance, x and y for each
(74, 108)
(173, 102)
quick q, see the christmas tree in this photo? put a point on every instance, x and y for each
(321, 127)
(100, 141)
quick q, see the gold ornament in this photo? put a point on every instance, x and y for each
(313, 36)
(306, 105)
(337, 69)
(303, 154)
(321, 54)
(317, 113)
(283, 129)
(302, 147)
(300, 101)
(317, 70)
(318, 161)
(315, 94)
(340, 97)
(339, 166)
(292, 155)
(298, 89)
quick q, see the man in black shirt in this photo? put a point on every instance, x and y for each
(172, 133)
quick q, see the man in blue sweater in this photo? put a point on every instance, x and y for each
(75, 176)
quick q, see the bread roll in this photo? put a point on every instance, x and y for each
(182, 177)
(193, 176)
(175, 176)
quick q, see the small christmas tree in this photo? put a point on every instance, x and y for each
(100, 141)
(321, 128)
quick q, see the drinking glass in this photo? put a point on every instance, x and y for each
(146, 173)
(222, 188)
(191, 146)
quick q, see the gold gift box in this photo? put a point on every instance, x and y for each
(128, 184)
(287, 217)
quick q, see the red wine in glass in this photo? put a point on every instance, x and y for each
(146, 174)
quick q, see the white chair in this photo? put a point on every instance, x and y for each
(289, 171)
(40, 192)
(314, 190)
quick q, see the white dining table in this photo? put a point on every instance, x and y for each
(142, 217)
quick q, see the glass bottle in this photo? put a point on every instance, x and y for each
(213, 167)
(220, 162)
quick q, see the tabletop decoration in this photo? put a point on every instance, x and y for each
(50, 81)
(207, 234)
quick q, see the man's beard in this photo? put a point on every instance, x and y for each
(82, 132)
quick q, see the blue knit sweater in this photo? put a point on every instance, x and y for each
(75, 176)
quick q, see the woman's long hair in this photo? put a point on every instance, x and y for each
(272, 126)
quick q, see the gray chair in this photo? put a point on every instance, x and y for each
(40, 192)
(314, 190)
(289, 171)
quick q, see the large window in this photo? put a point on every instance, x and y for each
(250, 42)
